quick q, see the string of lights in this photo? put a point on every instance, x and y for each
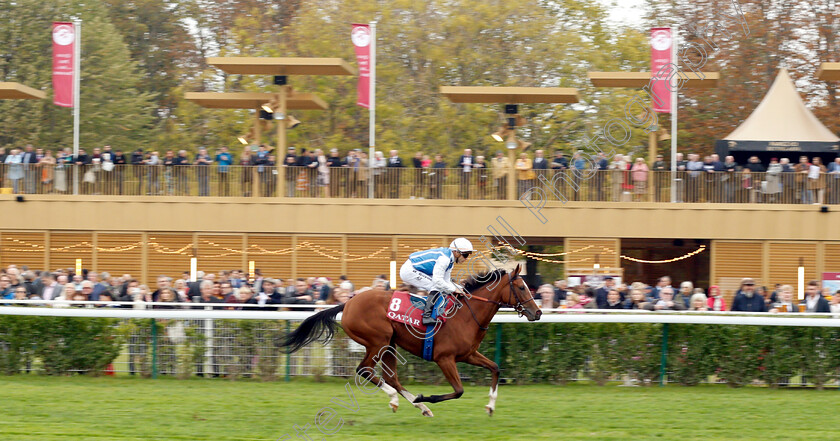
(327, 252)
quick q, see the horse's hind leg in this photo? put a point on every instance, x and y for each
(477, 359)
(389, 373)
(366, 371)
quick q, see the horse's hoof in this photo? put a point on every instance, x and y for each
(428, 413)
(394, 406)
(489, 410)
(418, 399)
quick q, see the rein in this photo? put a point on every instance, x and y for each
(518, 307)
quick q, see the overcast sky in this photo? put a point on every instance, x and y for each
(625, 12)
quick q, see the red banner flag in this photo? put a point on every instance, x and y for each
(64, 40)
(360, 35)
(660, 58)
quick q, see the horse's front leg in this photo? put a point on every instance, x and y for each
(477, 359)
(450, 371)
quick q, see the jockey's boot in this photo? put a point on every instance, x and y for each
(427, 311)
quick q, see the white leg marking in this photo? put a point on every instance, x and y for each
(392, 393)
(410, 397)
(491, 407)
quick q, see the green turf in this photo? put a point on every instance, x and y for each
(83, 408)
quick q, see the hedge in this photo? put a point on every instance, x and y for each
(530, 353)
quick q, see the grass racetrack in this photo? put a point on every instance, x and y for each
(83, 408)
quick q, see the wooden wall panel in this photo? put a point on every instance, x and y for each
(23, 248)
(319, 256)
(169, 255)
(272, 255)
(832, 258)
(220, 252)
(119, 253)
(65, 248)
(784, 262)
(734, 261)
(368, 257)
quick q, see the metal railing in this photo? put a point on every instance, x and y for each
(428, 183)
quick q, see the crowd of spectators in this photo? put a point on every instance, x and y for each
(319, 173)
(237, 290)
(749, 297)
(234, 289)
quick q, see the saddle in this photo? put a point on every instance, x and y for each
(408, 308)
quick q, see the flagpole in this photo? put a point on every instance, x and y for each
(77, 64)
(674, 83)
(372, 107)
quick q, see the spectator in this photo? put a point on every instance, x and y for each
(166, 295)
(601, 293)
(746, 300)
(153, 165)
(617, 167)
(482, 176)
(378, 166)
(636, 300)
(29, 160)
(545, 294)
(246, 163)
(835, 303)
(207, 296)
(420, 172)
(694, 168)
(560, 291)
(802, 169)
(3, 157)
(816, 180)
(338, 296)
(394, 175)
(346, 284)
(715, 302)
(7, 292)
(698, 302)
(640, 178)
(786, 303)
(203, 161)
(181, 168)
(226, 290)
(613, 300)
(243, 297)
(660, 176)
(337, 172)
(540, 166)
(224, 160)
(573, 301)
(323, 179)
(833, 182)
(97, 286)
(769, 297)
(601, 166)
(169, 172)
(685, 293)
(14, 162)
(500, 167)
(773, 188)
(50, 288)
(667, 302)
(47, 165)
(525, 173)
(437, 176)
(814, 301)
(465, 163)
(302, 293)
(578, 165)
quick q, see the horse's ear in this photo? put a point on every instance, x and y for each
(516, 271)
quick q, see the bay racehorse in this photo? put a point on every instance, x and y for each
(364, 320)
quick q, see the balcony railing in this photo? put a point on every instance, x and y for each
(411, 183)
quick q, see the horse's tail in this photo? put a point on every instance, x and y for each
(312, 329)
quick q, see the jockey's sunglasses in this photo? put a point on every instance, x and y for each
(466, 254)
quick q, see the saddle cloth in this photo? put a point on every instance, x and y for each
(407, 308)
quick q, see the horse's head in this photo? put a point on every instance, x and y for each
(520, 296)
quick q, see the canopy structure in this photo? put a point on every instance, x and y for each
(829, 72)
(282, 66)
(253, 100)
(509, 95)
(17, 91)
(780, 123)
(642, 79)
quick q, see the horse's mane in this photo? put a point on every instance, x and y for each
(473, 283)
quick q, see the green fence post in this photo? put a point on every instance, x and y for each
(498, 357)
(154, 348)
(663, 363)
(288, 355)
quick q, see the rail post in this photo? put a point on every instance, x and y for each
(663, 362)
(498, 357)
(154, 348)
(288, 355)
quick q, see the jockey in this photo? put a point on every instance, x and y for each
(430, 270)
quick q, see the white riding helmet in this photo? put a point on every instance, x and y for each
(461, 244)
